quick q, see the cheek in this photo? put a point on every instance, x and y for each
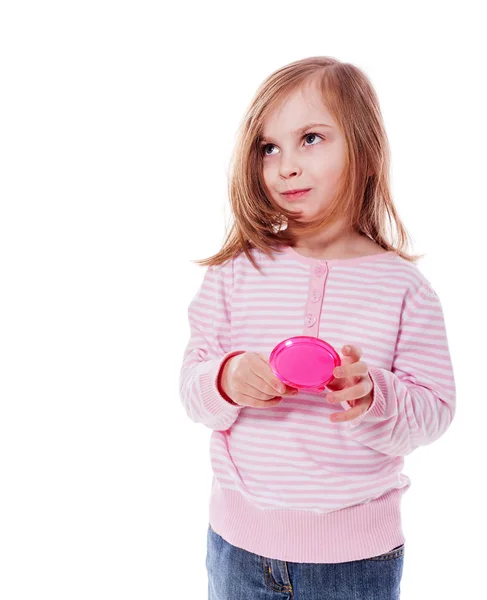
(267, 174)
(325, 166)
(268, 181)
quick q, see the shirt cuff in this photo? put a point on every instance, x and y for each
(377, 409)
(219, 388)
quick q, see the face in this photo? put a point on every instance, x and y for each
(312, 158)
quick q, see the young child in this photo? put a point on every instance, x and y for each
(307, 486)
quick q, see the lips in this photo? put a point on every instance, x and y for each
(296, 194)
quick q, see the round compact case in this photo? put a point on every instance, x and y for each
(304, 362)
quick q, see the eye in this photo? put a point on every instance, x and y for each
(306, 135)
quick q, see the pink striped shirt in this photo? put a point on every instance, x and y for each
(288, 483)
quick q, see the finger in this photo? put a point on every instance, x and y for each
(246, 400)
(352, 352)
(356, 369)
(350, 414)
(263, 370)
(339, 381)
(290, 391)
(258, 394)
(346, 375)
(336, 384)
(254, 392)
(355, 392)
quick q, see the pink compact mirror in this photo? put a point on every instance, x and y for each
(304, 362)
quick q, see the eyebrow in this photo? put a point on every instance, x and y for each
(301, 130)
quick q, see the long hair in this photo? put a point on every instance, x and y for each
(364, 197)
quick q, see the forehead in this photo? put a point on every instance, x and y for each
(302, 106)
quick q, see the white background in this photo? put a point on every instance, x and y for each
(117, 123)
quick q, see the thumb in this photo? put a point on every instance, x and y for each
(339, 383)
(290, 391)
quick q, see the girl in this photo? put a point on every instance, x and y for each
(307, 487)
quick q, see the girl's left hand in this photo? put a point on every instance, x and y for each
(352, 383)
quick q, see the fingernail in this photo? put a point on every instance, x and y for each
(346, 348)
(338, 372)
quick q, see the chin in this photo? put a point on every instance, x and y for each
(304, 218)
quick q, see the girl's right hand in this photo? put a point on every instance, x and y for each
(248, 380)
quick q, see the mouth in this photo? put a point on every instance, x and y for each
(296, 194)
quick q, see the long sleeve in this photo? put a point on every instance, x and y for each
(207, 350)
(413, 403)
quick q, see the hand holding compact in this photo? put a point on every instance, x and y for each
(352, 384)
(249, 381)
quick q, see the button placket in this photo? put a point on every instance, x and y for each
(315, 294)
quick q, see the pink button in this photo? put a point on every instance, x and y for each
(320, 270)
(310, 320)
(315, 296)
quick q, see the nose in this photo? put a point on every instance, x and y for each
(289, 167)
(289, 164)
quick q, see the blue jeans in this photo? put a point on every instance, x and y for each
(235, 574)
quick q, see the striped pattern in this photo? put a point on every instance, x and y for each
(291, 459)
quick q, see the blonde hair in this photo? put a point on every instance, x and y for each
(364, 196)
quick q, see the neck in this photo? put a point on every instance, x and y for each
(336, 242)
